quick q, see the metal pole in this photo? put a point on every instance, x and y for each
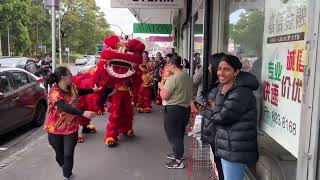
(191, 46)
(206, 44)
(60, 49)
(68, 58)
(9, 50)
(0, 46)
(37, 34)
(53, 34)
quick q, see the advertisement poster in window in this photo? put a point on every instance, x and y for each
(284, 54)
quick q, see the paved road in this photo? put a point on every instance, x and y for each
(17, 139)
(140, 158)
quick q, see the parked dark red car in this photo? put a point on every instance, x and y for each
(23, 99)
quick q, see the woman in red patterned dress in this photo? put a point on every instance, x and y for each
(62, 125)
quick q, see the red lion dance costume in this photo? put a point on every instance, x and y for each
(86, 103)
(117, 68)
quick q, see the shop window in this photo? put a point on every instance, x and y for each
(269, 37)
(243, 35)
(198, 38)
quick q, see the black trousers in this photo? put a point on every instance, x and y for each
(64, 146)
(176, 119)
(155, 90)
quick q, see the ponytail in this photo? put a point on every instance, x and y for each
(56, 77)
(51, 78)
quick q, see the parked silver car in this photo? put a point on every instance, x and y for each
(13, 62)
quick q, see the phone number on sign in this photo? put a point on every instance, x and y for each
(283, 122)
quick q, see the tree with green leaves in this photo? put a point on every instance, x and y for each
(248, 32)
(14, 18)
(83, 25)
(40, 27)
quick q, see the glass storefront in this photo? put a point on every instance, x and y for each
(198, 37)
(243, 37)
(269, 37)
(243, 33)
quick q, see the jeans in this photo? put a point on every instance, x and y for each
(232, 170)
(64, 146)
(176, 119)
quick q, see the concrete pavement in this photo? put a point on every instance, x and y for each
(140, 158)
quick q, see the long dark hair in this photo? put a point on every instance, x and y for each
(56, 77)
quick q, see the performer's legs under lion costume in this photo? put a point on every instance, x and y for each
(87, 103)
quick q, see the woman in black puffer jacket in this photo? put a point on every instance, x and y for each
(208, 130)
(235, 118)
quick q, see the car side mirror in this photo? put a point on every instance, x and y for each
(1, 96)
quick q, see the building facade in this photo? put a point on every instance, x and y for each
(278, 42)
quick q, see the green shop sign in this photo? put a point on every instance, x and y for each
(152, 28)
(198, 29)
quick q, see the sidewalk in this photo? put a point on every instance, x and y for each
(140, 158)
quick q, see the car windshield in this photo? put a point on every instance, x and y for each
(13, 62)
(91, 60)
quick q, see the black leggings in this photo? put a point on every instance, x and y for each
(176, 119)
(64, 146)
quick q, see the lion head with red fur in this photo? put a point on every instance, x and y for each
(121, 58)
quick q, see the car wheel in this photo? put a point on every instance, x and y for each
(40, 114)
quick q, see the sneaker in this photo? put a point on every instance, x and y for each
(171, 157)
(86, 130)
(69, 178)
(174, 165)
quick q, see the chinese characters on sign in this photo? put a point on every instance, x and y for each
(283, 67)
(286, 19)
(291, 89)
(275, 71)
(294, 60)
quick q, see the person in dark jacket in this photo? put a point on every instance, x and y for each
(46, 64)
(159, 63)
(32, 66)
(235, 118)
(208, 130)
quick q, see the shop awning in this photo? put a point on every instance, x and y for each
(155, 16)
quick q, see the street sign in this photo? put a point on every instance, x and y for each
(50, 3)
(68, 50)
(152, 28)
(99, 48)
(150, 4)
